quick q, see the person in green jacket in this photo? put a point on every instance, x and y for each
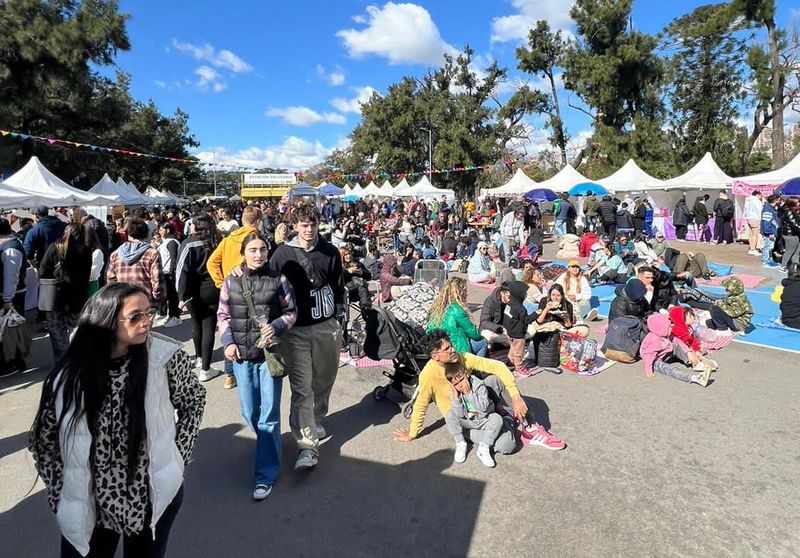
(449, 312)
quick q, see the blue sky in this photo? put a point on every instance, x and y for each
(278, 83)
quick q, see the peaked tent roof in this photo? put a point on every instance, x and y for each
(36, 180)
(778, 176)
(705, 175)
(11, 198)
(630, 178)
(386, 189)
(107, 187)
(425, 188)
(518, 185)
(371, 190)
(565, 179)
(303, 189)
(163, 197)
(403, 189)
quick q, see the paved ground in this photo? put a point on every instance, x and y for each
(653, 468)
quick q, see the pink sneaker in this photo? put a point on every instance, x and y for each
(522, 372)
(536, 435)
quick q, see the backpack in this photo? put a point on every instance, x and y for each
(727, 210)
(624, 336)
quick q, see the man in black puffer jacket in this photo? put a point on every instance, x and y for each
(790, 301)
(630, 301)
(607, 212)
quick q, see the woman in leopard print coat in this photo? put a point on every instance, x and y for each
(117, 421)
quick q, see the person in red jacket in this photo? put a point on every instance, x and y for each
(682, 319)
(587, 241)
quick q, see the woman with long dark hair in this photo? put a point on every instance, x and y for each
(69, 259)
(790, 231)
(117, 420)
(197, 292)
(98, 259)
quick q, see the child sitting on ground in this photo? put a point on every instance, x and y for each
(516, 320)
(472, 410)
(659, 346)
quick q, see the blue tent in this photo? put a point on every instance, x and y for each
(330, 190)
(303, 189)
(585, 188)
(540, 195)
(789, 188)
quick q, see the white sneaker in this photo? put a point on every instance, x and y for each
(344, 361)
(172, 322)
(753, 253)
(210, 374)
(306, 460)
(321, 432)
(261, 492)
(485, 455)
(461, 452)
(198, 362)
(591, 315)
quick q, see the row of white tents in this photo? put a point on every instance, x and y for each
(403, 189)
(34, 185)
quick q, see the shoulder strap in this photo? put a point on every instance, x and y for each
(248, 297)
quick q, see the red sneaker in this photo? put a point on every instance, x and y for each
(536, 435)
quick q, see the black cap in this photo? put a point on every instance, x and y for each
(42, 211)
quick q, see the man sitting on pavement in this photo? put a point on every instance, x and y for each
(434, 387)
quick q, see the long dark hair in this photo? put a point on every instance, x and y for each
(74, 234)
(206, 231)
(82, 373)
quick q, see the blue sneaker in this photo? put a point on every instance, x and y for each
(771, 265)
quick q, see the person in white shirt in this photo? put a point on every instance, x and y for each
(645, 252)
(228, 224)
(511, 228)
(752, 214)
(578, 290)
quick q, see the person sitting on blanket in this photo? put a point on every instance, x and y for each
(537, 288)
(609, 268)
(515, 322)
(732, 312)
(696, 263)
(481, 267)
(659, 348)
(790, 301)
(491, 320)
(434, 387)
(630, 301)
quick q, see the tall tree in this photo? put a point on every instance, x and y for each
(706, 73)
(469, 127)
(541, 57)
(615, 71)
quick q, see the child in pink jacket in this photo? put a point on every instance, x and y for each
(659, 346)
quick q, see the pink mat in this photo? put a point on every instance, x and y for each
(366, 362)
(749, 281)
(489, 286)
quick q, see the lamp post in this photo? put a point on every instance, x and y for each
(430, 154)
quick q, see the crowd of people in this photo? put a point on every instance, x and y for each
(275, 282)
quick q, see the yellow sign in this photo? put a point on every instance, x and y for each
(249, 192)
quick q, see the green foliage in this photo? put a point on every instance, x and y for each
(48, 88)
(706, 74)
(456, 105)
(615, 71)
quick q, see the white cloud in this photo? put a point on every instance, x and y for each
(515, 27)
(224, 59)
(294, 153)
(209, 80)
(304, 116)
(335, 77)
(402, 33)
(353, 105)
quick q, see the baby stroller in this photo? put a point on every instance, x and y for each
(433, 272)
(389, 338)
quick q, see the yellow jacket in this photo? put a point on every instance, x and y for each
(227, 255)
(434, 387)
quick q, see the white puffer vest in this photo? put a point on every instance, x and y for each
(76, 513)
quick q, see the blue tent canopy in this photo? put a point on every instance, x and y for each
(586, 188)
(540, 195)
(789, 188)
(303, 189)
(330, 190)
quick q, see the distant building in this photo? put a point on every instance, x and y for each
(764, 142)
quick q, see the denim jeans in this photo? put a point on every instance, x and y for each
(479, 347)
(260, 400)
(766, 252)
(560, 228)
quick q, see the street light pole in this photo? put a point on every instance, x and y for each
(430, 154)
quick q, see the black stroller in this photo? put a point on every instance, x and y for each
(389, 338)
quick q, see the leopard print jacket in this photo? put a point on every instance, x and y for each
(123, 505)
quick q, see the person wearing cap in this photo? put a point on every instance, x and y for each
(629, 301)
(481, 267)
(659, 244)
(577, 290)
(46, 231)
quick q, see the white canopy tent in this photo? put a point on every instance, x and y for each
(386, 190)
(403, 189)
(163, 197)
(34, 179)
(630, 178)
(424, 188)
(107, 187)
(705, 175)
(565, 179)
(519, 184)
(11, 198)
(773, 178)
(371, 190)
(134, 195)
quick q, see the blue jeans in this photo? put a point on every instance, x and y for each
(260, 400)
(766, 252)
(479, 347)
(560, 228)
